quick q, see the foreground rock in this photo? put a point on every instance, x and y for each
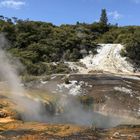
(117, 92)
(38, 131)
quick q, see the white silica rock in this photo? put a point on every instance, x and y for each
(73, 88)
(108, 59)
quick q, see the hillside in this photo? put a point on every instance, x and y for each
(69, 82)
(38, 44)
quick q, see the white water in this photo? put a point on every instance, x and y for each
(108, 59)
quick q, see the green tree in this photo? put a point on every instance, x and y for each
(103, 18)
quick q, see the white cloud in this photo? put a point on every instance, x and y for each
(115, 15)
(14, 4)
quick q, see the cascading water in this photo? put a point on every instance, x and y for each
(108, 59)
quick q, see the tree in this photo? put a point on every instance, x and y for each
(103, 18)
(1, 17)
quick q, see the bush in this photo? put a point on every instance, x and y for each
(86, 100)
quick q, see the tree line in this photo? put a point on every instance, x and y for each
(37, 44)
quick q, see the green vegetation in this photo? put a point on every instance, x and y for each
(66, 80)
(86, 100)
(129, 36)
(103, 18)
(38, 44)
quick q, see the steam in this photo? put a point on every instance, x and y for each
(30, 109)
(35, 110)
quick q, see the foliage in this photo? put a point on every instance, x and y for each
(38, 44)
(66, 80)
(86, 100)
(103, 18)
(129, 36)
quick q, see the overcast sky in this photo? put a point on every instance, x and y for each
(123, 12)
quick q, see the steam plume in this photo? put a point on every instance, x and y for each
(35, 110)
(31, 110)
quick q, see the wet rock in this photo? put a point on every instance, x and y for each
(1, 106)
(16, 116)
(2, 138)
(116, 135)
(50, 108)
(3, 115)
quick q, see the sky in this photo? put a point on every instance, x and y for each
(123, 12)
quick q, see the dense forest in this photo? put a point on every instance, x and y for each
(37, 44)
